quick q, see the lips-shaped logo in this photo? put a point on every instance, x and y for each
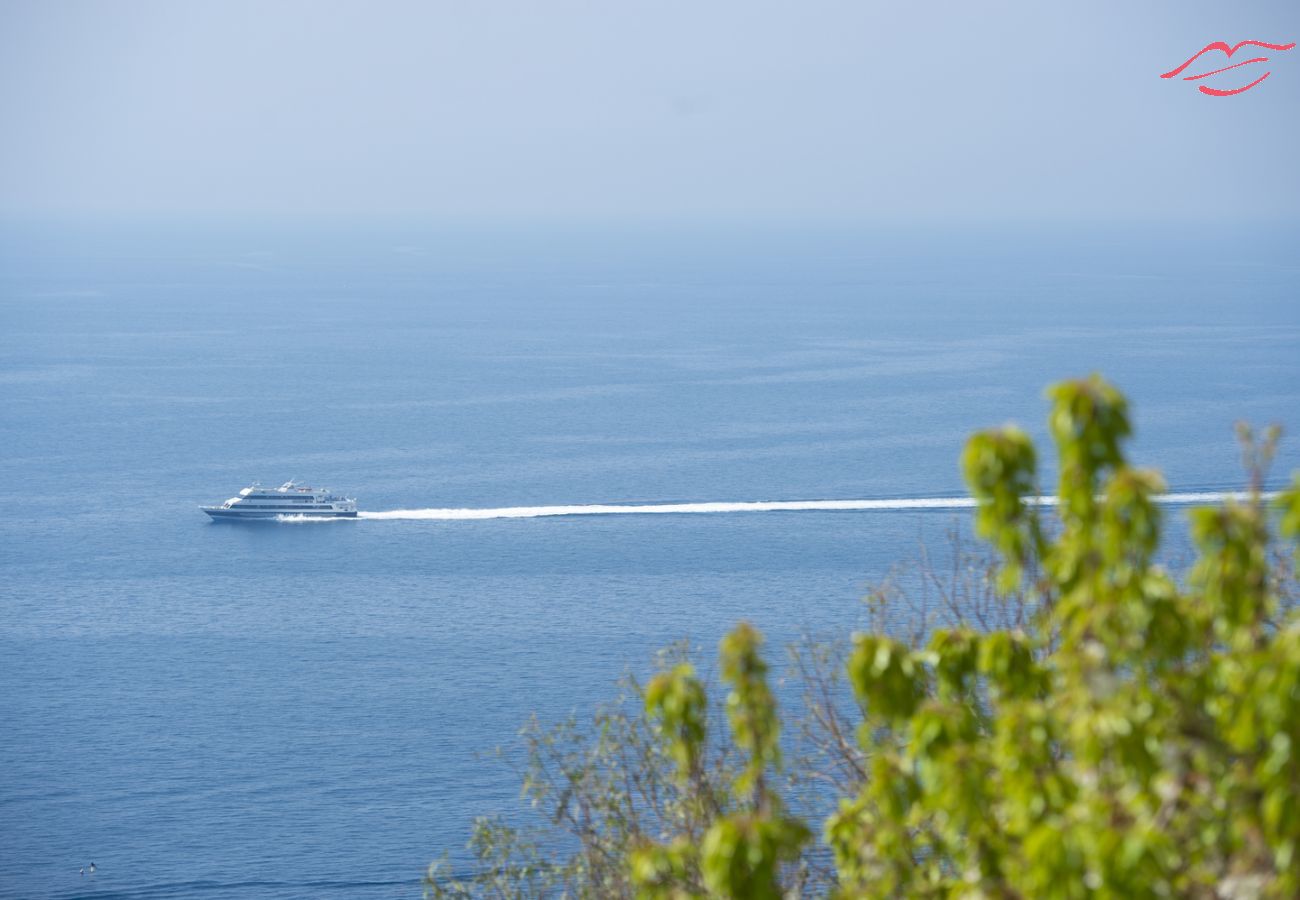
(1220, 45)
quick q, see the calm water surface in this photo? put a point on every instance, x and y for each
(292, 709)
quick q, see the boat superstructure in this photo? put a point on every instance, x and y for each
(290, 499)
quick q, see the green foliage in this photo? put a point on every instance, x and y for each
(677, 699)
(1141, 743)
(999, 466)
(751, 709)
(621, 795)
(514, 866)
(1289, 502)
(1139, 738)
(886, 677)
(741, 853)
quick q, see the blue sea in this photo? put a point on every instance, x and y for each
(294, 709)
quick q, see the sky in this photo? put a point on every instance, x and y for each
(860, 111)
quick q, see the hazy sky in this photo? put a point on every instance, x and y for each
(1038, 109)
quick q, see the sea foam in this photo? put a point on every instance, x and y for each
(613, 509)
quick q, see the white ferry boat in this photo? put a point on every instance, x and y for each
(289, 499)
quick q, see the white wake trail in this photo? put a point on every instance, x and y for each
(908, 503)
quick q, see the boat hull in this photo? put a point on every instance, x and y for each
(236, 515)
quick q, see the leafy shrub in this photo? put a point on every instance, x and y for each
(1139, 737)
